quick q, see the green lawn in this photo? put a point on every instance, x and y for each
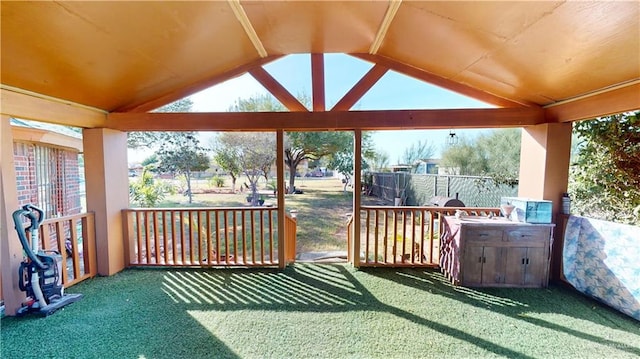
(318, 311)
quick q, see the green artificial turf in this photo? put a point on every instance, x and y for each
(317, 311)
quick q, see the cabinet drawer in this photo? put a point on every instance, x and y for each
(527, 234)
(483, 234)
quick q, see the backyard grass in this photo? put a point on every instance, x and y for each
(318, 311)
(322, 209)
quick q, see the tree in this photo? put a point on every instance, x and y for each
(496, 154)
(416, 152)
(149, 139)
(229, 161)
(342, 161)
(255, 151)
(146, 192)
(309, 146)
(604, 180)
(463, 159)
(181, 153)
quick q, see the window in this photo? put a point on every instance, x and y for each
(50, 178)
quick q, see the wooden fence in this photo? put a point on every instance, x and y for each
(402, 236)
(74, 238)
(220, 236)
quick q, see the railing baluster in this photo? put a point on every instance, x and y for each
(217, 224)
(74, 246)
(271, 237)
(253, 238)
(244, 240)
(208, 237)
(156, 236)
(366, 241)
(226, 236)
(165, 239)
(386, 236)
(260, 213)
(376, 236)
(235, 238)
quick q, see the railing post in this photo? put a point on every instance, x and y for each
(357, 167)
(281, 189)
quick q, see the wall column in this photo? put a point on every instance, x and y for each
(107, 184)
(10, 248)
(544, 162)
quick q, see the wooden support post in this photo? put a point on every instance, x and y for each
(357, 194)
(544, 162)
(281, 189)
(10, 248)
(105, 158)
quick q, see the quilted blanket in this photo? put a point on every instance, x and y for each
(602, 260)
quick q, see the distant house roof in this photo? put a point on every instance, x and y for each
(63, 130)
(46, 133)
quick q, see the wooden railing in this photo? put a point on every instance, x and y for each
(290, 233)
(74, 238)
(403, 236)
(229, 236)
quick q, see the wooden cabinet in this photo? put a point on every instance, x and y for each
(484, 252)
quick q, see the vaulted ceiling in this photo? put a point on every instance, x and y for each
(133, 56)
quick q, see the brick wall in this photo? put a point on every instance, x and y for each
(66, 180)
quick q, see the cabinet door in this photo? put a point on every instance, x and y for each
(515, 265)
(492, 266)
(472, 265)
(537, 265)
(526, 266)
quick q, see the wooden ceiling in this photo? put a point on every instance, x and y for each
(128, 56)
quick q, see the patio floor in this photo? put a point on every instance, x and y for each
(321, 311)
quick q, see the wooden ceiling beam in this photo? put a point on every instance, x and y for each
(317, 82)
(242, 17)
(277, 90)
(320, 121)
(196, 87)
(32, 106)
(616, 100)
(394, 5)
(442, 82)
(360, 88)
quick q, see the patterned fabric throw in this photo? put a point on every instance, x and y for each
(602, 259)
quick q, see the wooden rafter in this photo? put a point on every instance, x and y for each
(272, 85)
(337, 120)
(32, 106)
(317, 82)
(394, 5)
(617, 100)
(442, 82)
(360, 88)
(198, 86)
(241, 15)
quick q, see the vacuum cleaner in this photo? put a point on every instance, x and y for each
(39, 273)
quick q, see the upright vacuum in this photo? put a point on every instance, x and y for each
(39, 273)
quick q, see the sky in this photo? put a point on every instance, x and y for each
(392, 91)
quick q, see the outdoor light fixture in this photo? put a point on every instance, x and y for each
(452, 139)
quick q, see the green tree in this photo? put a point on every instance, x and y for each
(146, 192)
(604, 180)
(181, 153)
(255, 151)
(342, 161)
(228, 160)
(416, 152)
(147, 139)
(312, 146)
(463, 159)
(495, 154)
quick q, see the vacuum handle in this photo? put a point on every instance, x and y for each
(22, 235)
(35, 222)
